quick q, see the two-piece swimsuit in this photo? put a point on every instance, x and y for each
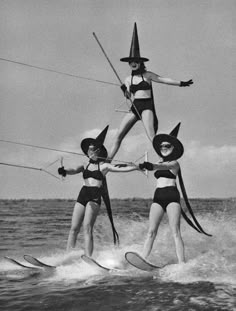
(166, 195)
(141, 104)
(90, 193)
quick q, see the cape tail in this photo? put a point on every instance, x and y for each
(155, 121)
(107, 202)
(188, 204)
(189, 221)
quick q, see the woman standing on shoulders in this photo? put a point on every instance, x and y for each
(138, 88)
(88, 203)
(166, 197)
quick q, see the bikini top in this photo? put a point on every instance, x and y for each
(96, 174)
(164, 173)
(143, 85)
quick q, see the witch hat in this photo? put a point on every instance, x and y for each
(134, 54)
(97, 142)
(172, 139)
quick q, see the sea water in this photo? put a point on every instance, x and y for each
(207, 281)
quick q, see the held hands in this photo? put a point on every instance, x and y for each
(62, 171)
(186, 83)
(146, 165)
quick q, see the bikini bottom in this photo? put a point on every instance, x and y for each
(89, 194)
(166, 195)
(142, 104)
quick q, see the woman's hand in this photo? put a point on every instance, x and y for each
(62, 171)
(186, 83)
(147, 166)
(125, 91)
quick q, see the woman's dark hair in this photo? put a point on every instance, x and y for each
(140, 70)
(142, 67)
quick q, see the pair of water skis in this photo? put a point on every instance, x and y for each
(36, 264)
(133, 258)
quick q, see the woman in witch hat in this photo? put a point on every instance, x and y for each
(166, 197)
(88, 202)
(138, 88)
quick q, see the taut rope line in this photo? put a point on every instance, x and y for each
(31, 168)
(59, 150)
(56, 71)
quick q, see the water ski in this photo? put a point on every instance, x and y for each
(90, 261)
(19, 264)
(35, 262)
(138, 262)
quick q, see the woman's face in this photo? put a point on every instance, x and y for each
(166, 148)
(134, 65)
(93, 152)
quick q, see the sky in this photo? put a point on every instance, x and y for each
(184, 39)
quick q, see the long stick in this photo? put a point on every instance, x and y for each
(107, 58)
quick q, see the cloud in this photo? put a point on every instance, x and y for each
(135, 142)
(73, 143)
(131, 145)
(210, 159)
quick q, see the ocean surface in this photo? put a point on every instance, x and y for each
(40, 228)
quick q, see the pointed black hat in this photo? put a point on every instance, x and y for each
(172, 139)
(134, 54)
(97, 142)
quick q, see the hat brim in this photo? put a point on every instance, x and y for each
(178, 147)
(91, 141)
(134, 59)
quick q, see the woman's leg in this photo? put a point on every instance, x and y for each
(76, 222)
(91, 213)
(174, 212)
(155, 217)
(148, 122)
(126, 124)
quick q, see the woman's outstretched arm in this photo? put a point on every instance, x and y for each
(119, 169)
(159, 166)
(156, 78)
(70, 171)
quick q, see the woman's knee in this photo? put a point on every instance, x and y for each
(152, 233)
(176, 232)
(74, 230)
(88, 229)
